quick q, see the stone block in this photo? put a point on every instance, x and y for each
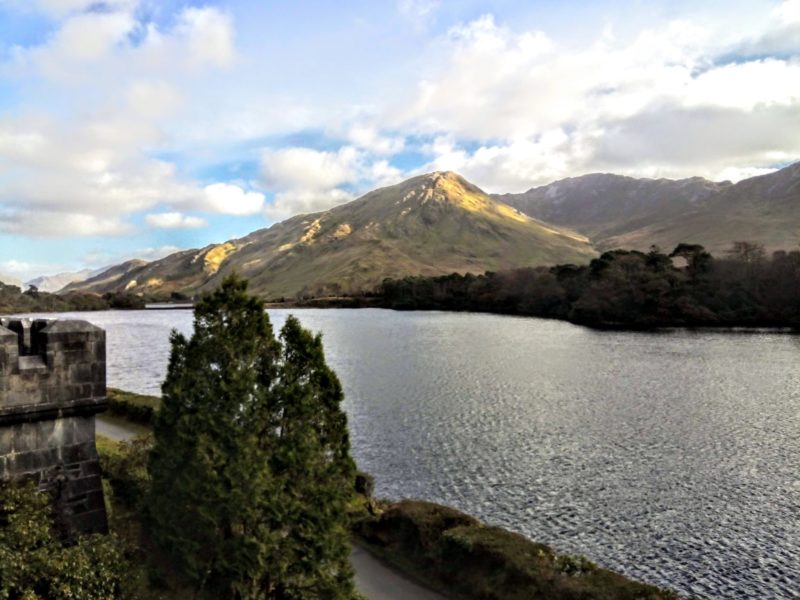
(83, 429)
(99, 371)
(7, 436)
(80, 372)
(100, 350)
(90, 467)
(79, 452)
(82, 486)
(50, 434)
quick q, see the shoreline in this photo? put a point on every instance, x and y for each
(355, 303)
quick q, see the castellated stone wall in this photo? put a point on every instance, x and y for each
(52, 384)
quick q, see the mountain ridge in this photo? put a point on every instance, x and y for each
(616, 211)
(431, 224)
(439, 223)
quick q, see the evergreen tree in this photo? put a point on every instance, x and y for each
(251, 468)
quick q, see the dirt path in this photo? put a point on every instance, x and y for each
(378, 581)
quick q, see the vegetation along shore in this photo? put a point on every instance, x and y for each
(441, 547)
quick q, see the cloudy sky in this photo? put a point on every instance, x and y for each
(131, 128)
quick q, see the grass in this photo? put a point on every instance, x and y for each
(136, 408)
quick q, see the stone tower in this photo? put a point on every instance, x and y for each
(52, 384)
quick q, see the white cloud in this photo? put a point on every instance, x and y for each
(368, 137)
(52, 224)
(174, 220)
(103, 258)
(309, 169)
(381, 173)
(289, 203)
(230, 199)
(737, 174)
(155, 253)
(788, 12)
(515, 109)
(153, 99)
(82, 169)
(306, 180)
(419, 12)
(208, 34)
(15, 267)
(59, 8)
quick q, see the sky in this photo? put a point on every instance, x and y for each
(133, 128)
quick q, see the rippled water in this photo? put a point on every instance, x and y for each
(672, 457)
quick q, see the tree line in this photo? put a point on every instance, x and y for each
(14, 300)
(626, 288)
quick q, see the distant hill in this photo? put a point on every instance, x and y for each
(104, 280)
(54, 283)
(428, 225)
(624, 212)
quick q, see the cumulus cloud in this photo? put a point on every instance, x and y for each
(368, 137)
(308, 180)
(289, 203)
(306, 168)
(53, 224)
(174, 220)
(305, 180)
(659, 104)
(782, 36)
(15, 267)
(82, 170)
(99, 259)
(230, 199)
(153, 253)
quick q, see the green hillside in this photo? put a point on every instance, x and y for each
(429, 225)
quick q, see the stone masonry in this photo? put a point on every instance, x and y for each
(52, 384)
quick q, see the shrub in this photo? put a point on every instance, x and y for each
(35, 565)
(134, 407)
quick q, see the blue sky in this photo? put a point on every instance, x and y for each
(132, 128)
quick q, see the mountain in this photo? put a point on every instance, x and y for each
(763, 209)
(624, 212)
(105, 279)
(54, 283)
(604, 206)
(428, 225)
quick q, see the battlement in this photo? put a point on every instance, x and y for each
(52, 384)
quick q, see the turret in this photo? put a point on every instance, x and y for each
(52, 384)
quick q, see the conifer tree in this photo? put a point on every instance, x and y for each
(251, 467)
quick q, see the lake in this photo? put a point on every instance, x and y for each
(673, 457)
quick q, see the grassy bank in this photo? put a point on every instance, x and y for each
(457, 554)
(137, 408)
(437, 545)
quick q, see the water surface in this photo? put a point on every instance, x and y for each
(672, 457)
